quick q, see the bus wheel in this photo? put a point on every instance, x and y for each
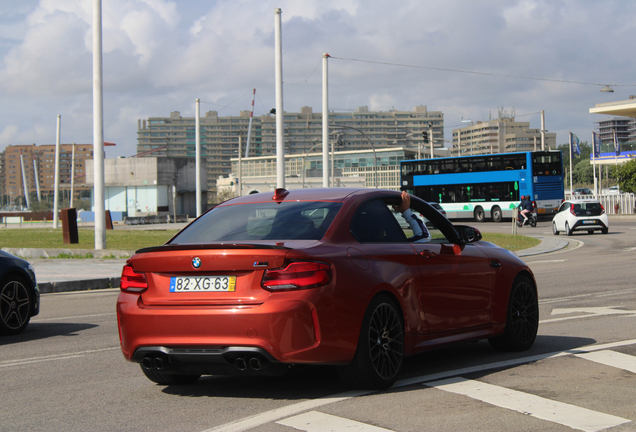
(496, 214)
(479, 214)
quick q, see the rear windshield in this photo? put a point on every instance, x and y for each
(587, 209)
(261, 221)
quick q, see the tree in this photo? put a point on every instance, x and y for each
(626, 174)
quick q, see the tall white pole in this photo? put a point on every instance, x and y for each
(280, 114)
(430, 139)
(24, 182)
(37, 178)
(542, 130)
(98, 129)
(56, 176)
(240, 174)
(571, 155)
(72, 177)
(249, 126)
(197, 154)
(325, 121)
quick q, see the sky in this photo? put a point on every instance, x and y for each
(468, 59)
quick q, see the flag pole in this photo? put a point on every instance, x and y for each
(571, 156)
(594, 162)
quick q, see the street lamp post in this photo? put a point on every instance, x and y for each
(375, 159)
(305, 157)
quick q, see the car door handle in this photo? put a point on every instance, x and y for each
(427, 254)
(495, 264)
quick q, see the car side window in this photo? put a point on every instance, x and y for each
(431, 234)
(373, 223)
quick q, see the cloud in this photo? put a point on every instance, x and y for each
(160, 55)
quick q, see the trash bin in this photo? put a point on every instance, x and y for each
(69, 225)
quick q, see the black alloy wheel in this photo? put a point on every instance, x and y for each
(522, 322)
(15, 306)
(380, 353)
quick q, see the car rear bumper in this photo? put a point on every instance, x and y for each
(284, 329)
(584, 225)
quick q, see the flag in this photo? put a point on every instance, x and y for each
(596, 149)
(576, 148)
(617, 145)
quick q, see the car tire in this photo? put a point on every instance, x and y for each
(555, 231)
(605, 230)
(568, 231)
(380, 352)
(496, 214)
(15, 305)
(479, 214)
(522, 318)
(168, 379)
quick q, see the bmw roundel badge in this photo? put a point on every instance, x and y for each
(196, 262)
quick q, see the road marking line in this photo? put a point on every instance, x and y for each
(279, 413)
(72, 317)
(289, 410)
(315, 421)
(534, 406)
(7, 363)
(612, 358)
(546, 261)
(590, 312)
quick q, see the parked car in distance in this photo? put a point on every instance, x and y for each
(614, 190)
(438, 207)
(19, 294)
(582, 191)
(264, 282)
(580, 215)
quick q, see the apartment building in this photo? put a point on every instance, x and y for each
(39, 170)
(502, 135)
(362, 129)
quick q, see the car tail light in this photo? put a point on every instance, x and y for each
(297, 275)
(132, 281)
(602, 208)
(572, 209)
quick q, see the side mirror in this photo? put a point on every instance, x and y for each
(468, 234)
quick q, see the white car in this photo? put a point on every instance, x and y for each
(580, 215)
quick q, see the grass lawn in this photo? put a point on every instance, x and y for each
(115, 239)
(136, 239)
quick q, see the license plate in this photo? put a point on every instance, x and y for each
(589, 222)
(202, 284)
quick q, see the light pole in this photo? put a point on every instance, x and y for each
(305, 157)
(375, 159)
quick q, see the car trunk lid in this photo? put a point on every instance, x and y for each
(200, 266)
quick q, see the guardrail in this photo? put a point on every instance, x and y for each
(613, 203)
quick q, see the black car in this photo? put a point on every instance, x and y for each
(19, 294)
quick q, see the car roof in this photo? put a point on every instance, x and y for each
(313, 194)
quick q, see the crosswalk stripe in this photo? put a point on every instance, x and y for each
(535, 406)
(315, 421)
(612, 358)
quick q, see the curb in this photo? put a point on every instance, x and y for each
(47, 253)
(78, 285)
